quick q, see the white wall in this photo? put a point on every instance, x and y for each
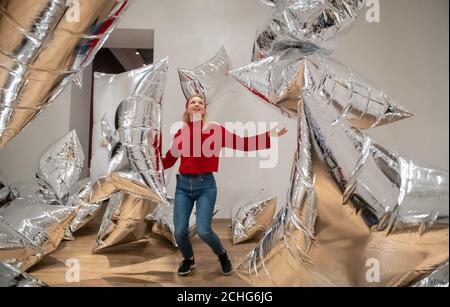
(406, 54)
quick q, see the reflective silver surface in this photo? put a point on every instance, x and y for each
(43, 45)
(11, 277)
(207, 79)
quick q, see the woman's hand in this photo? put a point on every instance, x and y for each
(276, 132)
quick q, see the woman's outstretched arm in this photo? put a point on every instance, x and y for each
(250, 143)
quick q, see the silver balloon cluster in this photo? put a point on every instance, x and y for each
(11, 277)
(351, 203)
(252, 218)
(44, 44)
(135, 185)
(206, 80)
(41, 215)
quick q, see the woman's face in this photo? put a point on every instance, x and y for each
(196, 108)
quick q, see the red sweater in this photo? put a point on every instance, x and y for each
(199, 146)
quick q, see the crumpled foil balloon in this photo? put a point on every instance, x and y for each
(139, 129)
(252, 218)
(43, 45)
(124, 221)
(309, 25)
(162, 221)
(43, 224)
(11, 277)
(437, 279)
(13, 244)
(109, 91)
(80, 198)
(393, 229)
(206, 80)
(60, 167)
(281, 79)
(6, 193)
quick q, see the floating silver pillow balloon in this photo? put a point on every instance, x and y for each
(208, 79)
(124, 221)
(13, 244)
(281, 80)
(43, 45)
(11, 277)
(252, 218)
(60, 167)
(43, 224)
(309, 25)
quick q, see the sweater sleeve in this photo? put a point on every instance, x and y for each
(173, 153)
(252, 143)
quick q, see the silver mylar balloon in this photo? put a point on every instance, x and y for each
(43, 224)
(206, 80)
(60, 166)
(130, 182)
(437, 279)
(6, 193)
(309, 25)
(13, 244)
(281, 80)
(252, 218)
(80, 198)
(400, 228)
(124, 221)
(43, 45)
(108, 138)
(11, 277)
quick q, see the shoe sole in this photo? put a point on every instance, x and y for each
(189, 272)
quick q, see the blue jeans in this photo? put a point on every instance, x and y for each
(202, 190)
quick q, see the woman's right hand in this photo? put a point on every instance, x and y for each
(276, 132)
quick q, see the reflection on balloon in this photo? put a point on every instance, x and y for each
(252, 218)
(43, 224)
(281, 80)
(60, 167)
(309, 26)
(13, 244)
(437, 279)
(80, 199)
(42, 48)
(124, 221)
(11, 277)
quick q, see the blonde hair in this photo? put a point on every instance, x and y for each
(187, 119)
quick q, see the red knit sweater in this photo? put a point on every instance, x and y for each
(199, 146)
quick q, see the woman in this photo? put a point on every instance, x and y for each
(198, 144)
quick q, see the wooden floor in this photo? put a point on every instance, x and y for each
(148, 263)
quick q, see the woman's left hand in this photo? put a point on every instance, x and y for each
(276, 132)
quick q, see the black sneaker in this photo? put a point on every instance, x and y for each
(225, 262)
(186, 267)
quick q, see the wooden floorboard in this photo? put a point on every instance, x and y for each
(152, 262)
